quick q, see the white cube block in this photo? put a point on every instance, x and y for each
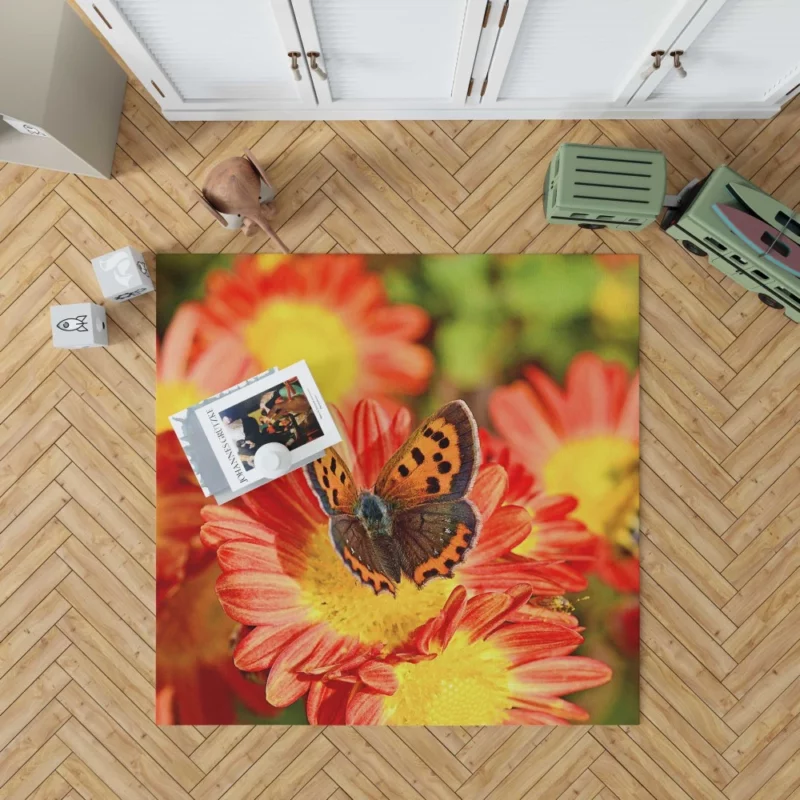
(122, 274)
(78, 325)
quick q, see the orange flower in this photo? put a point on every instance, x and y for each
(180, 551)
(554, 534)
(196, 680)
(329, 310)
(467, 666)
(583, 441)
(195, 362)
(309, 615)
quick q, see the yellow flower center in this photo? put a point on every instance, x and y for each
(286, 331)
(173, 396)
(616, 300)
(335, 596)
(602, 472)
(466, 684)
(192, 627)
(269, 262)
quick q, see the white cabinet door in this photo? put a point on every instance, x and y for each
(734, 51)
(561, 54)
(209, 55)
(390, 54)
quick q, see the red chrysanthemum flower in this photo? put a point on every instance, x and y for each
(180, 551)
(467, 666)
(330, 310)
(554, 533)
(196, 680)
(583, 441)
(194, 363)
(309, 615)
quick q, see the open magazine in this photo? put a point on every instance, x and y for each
(222, 435)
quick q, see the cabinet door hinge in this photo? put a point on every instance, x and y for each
(503, 15)
(469, 88)
(486, 13)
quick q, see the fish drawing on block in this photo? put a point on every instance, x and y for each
(73, 324)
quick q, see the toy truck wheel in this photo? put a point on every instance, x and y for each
(769, 301)
(693, 248)
(591, 226)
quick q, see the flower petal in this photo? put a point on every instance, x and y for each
(525, 642)
(326, 703)
(379, 676)
(486, 612)
(285, 682)
(257, 650)
(504, 530)
(559, 709)
(371, 440)
(365, 708)
(253, 598)
(228, 523)
(557, 676)
(489, 490)
(523, 421)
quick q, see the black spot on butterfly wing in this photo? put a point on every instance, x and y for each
(334, 488)
(403, 479)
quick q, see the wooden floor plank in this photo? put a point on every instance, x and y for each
(720, 473)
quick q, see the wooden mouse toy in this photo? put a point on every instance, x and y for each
(233, 189)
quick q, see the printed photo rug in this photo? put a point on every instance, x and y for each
(468, 555)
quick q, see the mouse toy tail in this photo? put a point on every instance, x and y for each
(263, 223)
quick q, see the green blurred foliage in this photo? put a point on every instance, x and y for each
(294, 714)
(495, 313)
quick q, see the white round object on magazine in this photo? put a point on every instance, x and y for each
(273, 459)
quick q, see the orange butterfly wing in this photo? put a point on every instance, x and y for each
(332, 482)
(438, 461)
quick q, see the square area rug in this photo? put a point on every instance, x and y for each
(468, 555)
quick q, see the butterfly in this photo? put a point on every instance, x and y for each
(416, 520)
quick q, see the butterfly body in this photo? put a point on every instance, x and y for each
(416, 521)
(374, 513)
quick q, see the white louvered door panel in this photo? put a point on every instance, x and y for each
(391, 53)
(564, 52)
(748, 51)
(208, 53)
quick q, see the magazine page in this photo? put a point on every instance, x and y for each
(284, 407)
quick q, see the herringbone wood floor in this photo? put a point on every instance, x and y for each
(720, 471)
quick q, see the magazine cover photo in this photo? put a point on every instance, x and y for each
(280, 414)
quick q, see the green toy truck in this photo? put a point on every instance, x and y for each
(610, 187)
(605, 187)
(700, 230)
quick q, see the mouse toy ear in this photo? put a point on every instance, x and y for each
(257, 167)
(214, 213)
